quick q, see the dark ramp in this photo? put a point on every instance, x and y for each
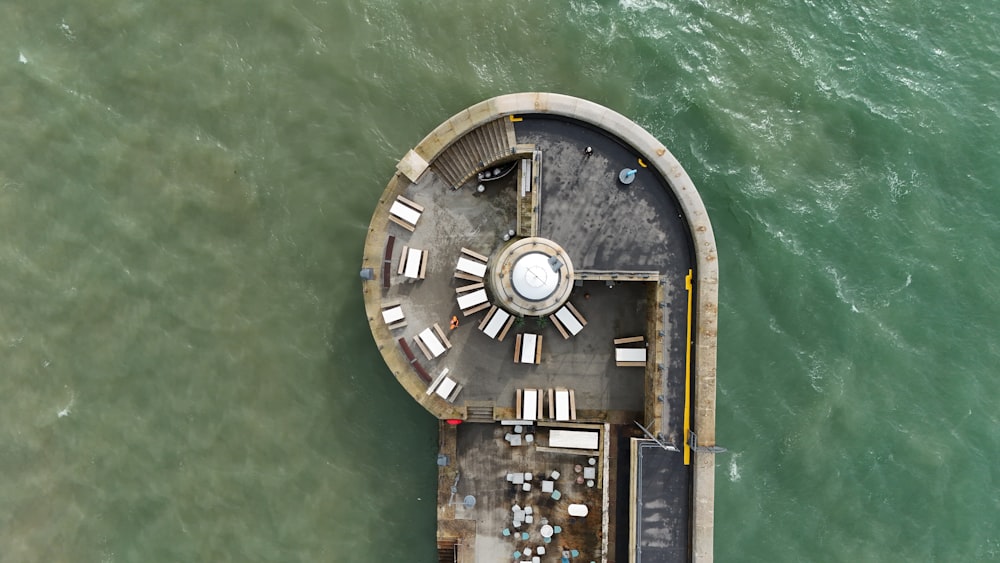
(663, 490)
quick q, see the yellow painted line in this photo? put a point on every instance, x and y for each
(687, 373)
(643, 164)
(515, 119)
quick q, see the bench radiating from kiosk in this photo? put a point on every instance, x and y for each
(568, 320)
(528, 349)
(473, 301)
(471, 266)
(496, 323)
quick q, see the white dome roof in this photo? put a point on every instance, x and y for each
(533, 278)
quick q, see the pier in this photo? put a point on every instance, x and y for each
(541, 314)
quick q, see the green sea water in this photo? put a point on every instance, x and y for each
(186, 372)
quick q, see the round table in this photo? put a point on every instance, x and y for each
(546, 531)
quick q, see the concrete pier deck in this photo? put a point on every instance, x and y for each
(643, 264)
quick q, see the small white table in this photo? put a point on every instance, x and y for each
(528, 348)
(496, 323)
(630, 354)
(470, 300)
(562, 405)
(546, 531)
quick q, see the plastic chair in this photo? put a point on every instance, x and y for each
(556, 529)
(517, 555)
(524, 535)
(547, 540)
(574, 553)
(556, 495)
(506, 532)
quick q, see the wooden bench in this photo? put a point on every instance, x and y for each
(469, 287)
(422, 372)
(387, 261)
(407, 350)
(476, 255)
(467, 277)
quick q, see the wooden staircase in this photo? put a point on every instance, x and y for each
(530, 181)
(476, 151)
(479, 412)
(447, 551)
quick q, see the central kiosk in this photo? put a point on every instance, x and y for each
(532, 277)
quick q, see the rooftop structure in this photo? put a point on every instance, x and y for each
(542, 271)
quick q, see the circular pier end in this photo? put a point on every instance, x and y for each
(532, 277)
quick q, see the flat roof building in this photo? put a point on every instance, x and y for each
(541, 272)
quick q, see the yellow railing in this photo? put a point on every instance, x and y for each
(687, 371)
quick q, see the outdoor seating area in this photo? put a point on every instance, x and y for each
(392, 314)
(413, 263)
(432, 342)
(536, 522)
(528, 349)
(471, 266)
(630, 351)
(496, 323)
(445, 387)
(405, 213)
(568, 320)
